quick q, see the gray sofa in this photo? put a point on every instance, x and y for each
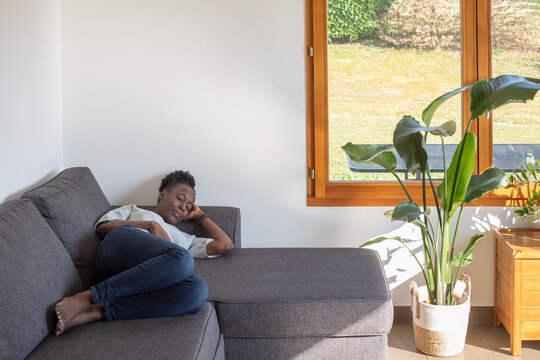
(277, 303)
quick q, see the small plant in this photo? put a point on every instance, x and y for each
(527, 175)
(458, 187)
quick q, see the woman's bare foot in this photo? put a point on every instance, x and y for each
(69, 307)
(93, 313)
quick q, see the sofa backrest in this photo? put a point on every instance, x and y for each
(228, 218)
(71, 203)
(35, 272)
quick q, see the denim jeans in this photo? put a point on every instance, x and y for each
(145, 276)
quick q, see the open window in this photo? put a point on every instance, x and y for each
(393, 60)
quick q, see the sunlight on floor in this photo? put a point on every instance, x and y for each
(484, 341)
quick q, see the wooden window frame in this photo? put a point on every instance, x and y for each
(475, 65)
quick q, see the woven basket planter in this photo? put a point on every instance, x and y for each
(440, 330)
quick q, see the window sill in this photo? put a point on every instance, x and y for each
(391, 194)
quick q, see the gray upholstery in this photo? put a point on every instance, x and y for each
(71, 203)
(220, 350)
(307, 348)
(228, 218)
(187, 337)
(299, 292)
(35, 273)
(326, 303)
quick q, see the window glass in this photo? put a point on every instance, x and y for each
(387, 59)
(516, 50)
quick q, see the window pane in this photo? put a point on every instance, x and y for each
(516, 51)
(387, 59)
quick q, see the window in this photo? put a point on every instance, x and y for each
(402, 55)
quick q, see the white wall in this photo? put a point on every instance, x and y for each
(30, 94)
(217, 88)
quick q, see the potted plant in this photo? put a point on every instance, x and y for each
(459, 186)
(528, 175)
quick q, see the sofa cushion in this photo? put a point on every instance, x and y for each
(71, 203)
(35, 273)
(299, 292)
(192, 336)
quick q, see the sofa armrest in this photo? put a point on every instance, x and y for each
(228, 218)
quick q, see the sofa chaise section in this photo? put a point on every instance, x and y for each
(300, 303)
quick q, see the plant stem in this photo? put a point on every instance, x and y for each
(445, 242)
(455, 232)
(435, 197)
(427, 239)
(415, 258)
(453, 281)
(444, 199)
(402, 185)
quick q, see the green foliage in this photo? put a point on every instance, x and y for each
(459, 185)
(527, 175)
(458, 175)
(406, 211)
(349, 20)
(378, 155)
(479, 185)
(488, 95)
(464, 258)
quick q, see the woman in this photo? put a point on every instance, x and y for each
(146, 263)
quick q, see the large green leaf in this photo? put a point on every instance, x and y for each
(378, 240)
(409, 141)
(446, 129)
(418, 222)
(409, 144)
(406, 211)
(428, 112)
(461, 176)
(381, 155)
(489, 180)
(464, 258)
(489, 94)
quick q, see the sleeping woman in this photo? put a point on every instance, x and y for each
(145, 264)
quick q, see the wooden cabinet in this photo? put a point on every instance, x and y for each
(517, 284)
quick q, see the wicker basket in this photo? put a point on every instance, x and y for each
(440, 330)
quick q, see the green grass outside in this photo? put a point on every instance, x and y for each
(371, 88)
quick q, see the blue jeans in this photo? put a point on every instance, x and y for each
(145, 276)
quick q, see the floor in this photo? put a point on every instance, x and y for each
(484, 341)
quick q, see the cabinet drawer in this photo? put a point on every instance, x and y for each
(530, 267)
(530, 282)
(530, 313)
(530, 330)
(530, 298)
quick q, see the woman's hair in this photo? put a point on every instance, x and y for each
(177, 177)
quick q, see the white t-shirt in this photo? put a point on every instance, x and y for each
(196, 246)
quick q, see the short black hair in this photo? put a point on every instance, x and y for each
(177, 177)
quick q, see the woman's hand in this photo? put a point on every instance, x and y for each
(156, 229)
(222, 243)
(194, 213)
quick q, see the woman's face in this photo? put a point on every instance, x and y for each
(174, 204)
